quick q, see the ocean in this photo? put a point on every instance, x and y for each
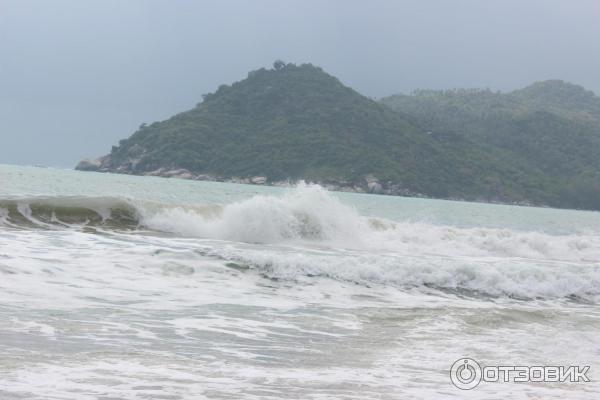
(129, 287)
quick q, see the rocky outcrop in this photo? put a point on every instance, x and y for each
(258, 180)
(88, 165)
(373, 185)
(180, 173)
(369, 184)
(94, 164)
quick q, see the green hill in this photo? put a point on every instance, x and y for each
(550, 129)
(297, 122)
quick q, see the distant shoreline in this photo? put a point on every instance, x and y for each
(369, 187)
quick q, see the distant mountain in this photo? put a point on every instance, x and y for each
(297, 122)
(550, 129)
(560, 97)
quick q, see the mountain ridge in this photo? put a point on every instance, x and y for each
(296, 122)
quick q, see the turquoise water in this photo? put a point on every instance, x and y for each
(115, 286)
(32, 181)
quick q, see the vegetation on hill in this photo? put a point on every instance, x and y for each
(536, 145)
(550, 129)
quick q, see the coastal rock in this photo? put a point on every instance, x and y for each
(123, 169)
(94, 164)
(371, 179)
(185, 175)
(156, 172)
(239, 180)
(206, 177)
(88, 165)
(375, 187)
(177, 173)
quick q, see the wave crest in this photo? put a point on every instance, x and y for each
(305, 214)
(310, 214)
(68, 211)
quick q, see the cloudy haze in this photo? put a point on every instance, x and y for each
(77, 76)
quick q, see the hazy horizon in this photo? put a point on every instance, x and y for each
(79, 76)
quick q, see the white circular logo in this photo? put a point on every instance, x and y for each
(465, 373)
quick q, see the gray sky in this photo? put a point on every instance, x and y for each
(77, 75)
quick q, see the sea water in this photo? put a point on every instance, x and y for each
(127, 287)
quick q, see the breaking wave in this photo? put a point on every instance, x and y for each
(310, 214)
(309, 232)
(69, 211)
(307, 214)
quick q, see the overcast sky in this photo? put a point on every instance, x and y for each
(76, 75)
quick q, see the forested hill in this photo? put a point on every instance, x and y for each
(551, 129)
(297, 122)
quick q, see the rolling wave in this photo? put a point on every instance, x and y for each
(309, 232)
(68, 211)
(307, 214)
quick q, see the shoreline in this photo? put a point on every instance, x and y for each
(370, 184)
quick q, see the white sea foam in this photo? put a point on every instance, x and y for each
(202, 294)
(307, 232)
(309, 214)
(514, 277)
(306, 213)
